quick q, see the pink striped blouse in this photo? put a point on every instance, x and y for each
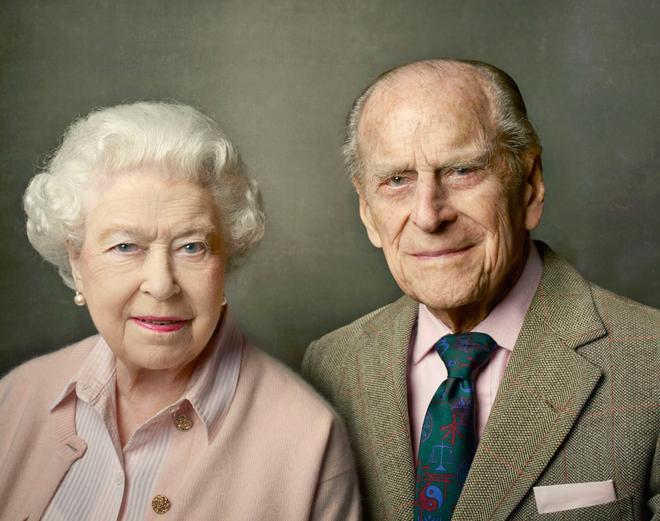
(114, 483)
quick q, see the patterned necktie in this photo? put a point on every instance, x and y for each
(448, 440)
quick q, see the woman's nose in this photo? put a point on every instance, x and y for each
(159, 279)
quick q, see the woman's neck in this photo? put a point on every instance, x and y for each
(142, 393)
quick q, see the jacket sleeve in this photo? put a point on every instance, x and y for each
(308, 361)
(654, 501)
(337, 495)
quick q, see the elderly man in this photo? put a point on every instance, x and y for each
(503, 385)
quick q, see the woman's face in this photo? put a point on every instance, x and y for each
(151, 269)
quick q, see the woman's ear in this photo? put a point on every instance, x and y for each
(74, 261)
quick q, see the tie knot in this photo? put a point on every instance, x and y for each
(464, 353)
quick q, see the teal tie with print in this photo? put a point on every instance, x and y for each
(448, 440)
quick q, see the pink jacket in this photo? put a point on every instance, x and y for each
(274, 418)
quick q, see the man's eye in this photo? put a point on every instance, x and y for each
(125, 247)
(193, 247)
(462, 171)
(397, 180)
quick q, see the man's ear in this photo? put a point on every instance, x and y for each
(533, 191)
(74, 262)
(366, 217)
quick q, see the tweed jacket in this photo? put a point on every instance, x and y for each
(579, 402)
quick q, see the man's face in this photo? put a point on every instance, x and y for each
(438, 197)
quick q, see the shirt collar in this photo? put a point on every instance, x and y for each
(213, 382)
(211, 386)
(96, 373)
(503, 323)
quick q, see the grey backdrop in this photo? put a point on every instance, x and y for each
(279, 77)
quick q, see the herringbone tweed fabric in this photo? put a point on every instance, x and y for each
(579, 401)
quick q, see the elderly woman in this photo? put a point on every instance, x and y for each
(167, 413)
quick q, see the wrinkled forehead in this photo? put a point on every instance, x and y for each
(454, 108)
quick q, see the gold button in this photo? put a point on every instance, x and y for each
(160, 504)
(183, 423)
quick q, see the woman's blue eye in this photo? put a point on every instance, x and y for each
(193, 247)
(125, 247)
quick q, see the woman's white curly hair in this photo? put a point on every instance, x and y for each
(172, 138)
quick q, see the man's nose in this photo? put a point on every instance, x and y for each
(159, 279)
(431, 205)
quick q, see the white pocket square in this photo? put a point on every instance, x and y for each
(555, 498)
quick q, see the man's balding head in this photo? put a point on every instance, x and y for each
(430, 81)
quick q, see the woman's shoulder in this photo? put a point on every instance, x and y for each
(282, 389)
(51, 370)
(288, 414)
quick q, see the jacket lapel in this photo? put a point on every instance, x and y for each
(383, 360)
(544, 388)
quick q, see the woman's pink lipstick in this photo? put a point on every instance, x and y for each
(161, 324)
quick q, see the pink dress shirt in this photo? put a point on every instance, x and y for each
(426, 371)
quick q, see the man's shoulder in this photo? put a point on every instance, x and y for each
(612, 332)
(331, 351)
(563, 283)
(621, 314)
(372, 321)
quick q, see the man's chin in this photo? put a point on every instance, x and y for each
(446, 298)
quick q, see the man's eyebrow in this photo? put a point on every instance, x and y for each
(480, 160)
(385, 171)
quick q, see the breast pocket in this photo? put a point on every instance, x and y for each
(619, 510)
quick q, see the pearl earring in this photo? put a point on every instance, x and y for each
(79, 299)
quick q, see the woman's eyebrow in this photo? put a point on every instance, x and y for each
(194, 229)
(120, 230)
(134, 232)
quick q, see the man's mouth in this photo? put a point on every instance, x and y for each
(441, 252)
